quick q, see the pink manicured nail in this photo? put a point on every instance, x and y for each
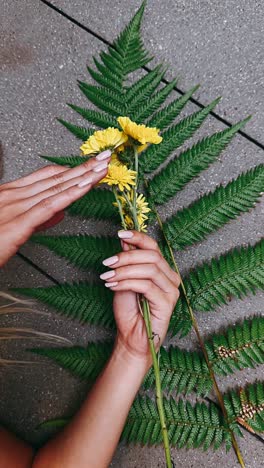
(107, 275)
(104, 155)
(110, 261)
(111, 285)
(87, 181)
(100, 167)
(125, 234)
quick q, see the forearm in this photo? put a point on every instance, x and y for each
(14, 453)
(91, 438)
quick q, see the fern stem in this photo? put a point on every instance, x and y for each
(199, 338)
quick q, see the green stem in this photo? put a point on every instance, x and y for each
(119, 208)
(201, 343)
(151, 335)
(159, 395)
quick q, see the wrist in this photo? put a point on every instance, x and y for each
(130, 357)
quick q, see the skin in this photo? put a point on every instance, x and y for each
(138, 269)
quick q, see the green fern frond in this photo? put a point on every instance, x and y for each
(181, 371)
(168, 114)
(188, 426)
(116, 82)
(129, 45)
(103, 93)
(141, 90)
(97, 118)
(86, 363)
(213, 210)
(87, 303)
(234, 274)
(238, 347)
(246, 405)
(106, 104)
(112, 64)
(139, 86)
(174, 137)
(103, 80)
(83, 251)
(81, 133)
(146, 109)
(189, 164)
(97, 203)
(71, 161)
(125, 56)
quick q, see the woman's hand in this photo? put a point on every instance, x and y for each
(141, 270)
(37, 201)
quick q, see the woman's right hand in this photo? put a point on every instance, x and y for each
(140, 270)
(37, 201)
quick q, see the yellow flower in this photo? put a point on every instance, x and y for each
(130, 223)
(120, 176)
(114, 160)
(141, 133)
(103, 139)
(141, 148)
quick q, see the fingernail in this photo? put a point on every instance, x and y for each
(125, 234)
(111, 285)
(110, 261)
(100, 167)
(87, 181)
(107, 275)
(104, 155)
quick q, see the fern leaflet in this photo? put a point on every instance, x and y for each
(85, 363)
(246, 405)
(87, 303)
(173, 137)
(188, 426)
(146, 109)
(234, 274)
(97, 118)
(97, 203)
(212, 211)
(71, 161)
(81, 133)
(83, 251)
(189, 164)
(164, 117)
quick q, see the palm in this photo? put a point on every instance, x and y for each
(130, 323)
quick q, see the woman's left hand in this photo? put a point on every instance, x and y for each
(37, 201)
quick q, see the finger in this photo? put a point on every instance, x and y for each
(139, 240)
(40, 174)
(148, 271)
(152, 293)
(63, 176)
(135, 256)
(46, 209)
(91, 177)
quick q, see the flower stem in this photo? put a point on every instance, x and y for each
(199, 338)
(151, 336)
(119, 208)
(159, 395)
